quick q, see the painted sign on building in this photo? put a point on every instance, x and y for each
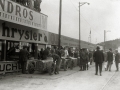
(11, 31)
(16, 13)
(8, 66)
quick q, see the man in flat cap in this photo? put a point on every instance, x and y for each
(98, 59)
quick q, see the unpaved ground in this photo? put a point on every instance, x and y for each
(66, 80)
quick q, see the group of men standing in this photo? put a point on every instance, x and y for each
(108, 57)
(33, 4)
(112, 57)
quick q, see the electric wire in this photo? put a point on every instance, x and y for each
(85, 19)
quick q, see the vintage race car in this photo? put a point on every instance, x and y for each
(74, 61)
(40, 65)
(68, 62)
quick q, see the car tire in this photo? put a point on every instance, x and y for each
(31, 68)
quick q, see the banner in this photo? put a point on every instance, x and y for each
(15, 32)
(16, 13)
(8, 66)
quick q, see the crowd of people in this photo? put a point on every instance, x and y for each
(85, 58)
(54, 52)
(32, 4)
(107, 58)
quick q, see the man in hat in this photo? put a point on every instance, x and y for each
(23, 56)
(98, 59)
(109, 59)
(83, 59)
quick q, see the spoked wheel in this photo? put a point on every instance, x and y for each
(31, 68)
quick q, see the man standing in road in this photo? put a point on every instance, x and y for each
(98, 59)
(110, 59)
(23, 56)
(117, 58)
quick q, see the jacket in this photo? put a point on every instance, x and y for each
(117, 57)
(23, 55)
(109, 56)
(98, 56)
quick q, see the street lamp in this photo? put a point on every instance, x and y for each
(105, 37)
(80, 4)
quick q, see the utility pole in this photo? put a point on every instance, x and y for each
(79, 27)
(90, 35)
(60, 12)
(80, 4)
(104, 39)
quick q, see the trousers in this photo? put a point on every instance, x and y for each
(117, 65)
(23, 66)
(109, 64)
(98, 64)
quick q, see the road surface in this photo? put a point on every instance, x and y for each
(66, 80)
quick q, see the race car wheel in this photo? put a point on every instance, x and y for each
(31, 68)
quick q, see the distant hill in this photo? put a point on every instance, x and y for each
(114, 44)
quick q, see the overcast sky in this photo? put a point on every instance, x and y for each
(100, 15)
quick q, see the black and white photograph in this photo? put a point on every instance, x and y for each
(59, 44)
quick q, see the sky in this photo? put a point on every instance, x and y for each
(100, 15)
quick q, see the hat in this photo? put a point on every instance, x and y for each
(97, 47)
(110, 49)
(25, 47)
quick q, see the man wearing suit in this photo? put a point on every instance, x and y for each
(117, 58)
(98, 59)
(23, 56)
(109, 59)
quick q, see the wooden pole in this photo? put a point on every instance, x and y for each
(60, 12)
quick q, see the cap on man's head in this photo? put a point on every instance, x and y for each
(110, 49)
(24, 47)
(97, 47)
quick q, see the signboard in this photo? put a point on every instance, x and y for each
(15, 32)
(8, 66)
(16, 13)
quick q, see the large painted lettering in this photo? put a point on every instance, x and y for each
(16, 13)
(9, 67)
(11, 31)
